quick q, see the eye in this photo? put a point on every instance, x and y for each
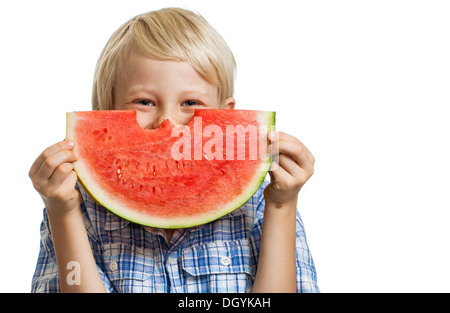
(145, 102)
(190, 103)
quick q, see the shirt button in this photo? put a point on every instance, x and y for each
(225, 261)
(113, 266)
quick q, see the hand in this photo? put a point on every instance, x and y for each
(53, 177)
(292, 166)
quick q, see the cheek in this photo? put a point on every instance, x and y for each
(185, 117)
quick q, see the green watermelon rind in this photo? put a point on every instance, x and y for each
(120, 209)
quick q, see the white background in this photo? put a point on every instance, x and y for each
(364, 84)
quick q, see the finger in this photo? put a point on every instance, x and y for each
(286, 137)
(273, 136)
(277, 137)
(308, 153)
(60, 175)
(53, 161)
(67, 186)
(277, 172)
(299, 153)
(272, 148)
(64, 190)
(71, 180)
(290, 166)
(48, 152)
(310, 156)
(303, 147)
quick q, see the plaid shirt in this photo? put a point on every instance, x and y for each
(221, 256)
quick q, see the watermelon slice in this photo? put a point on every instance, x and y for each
(172, 176)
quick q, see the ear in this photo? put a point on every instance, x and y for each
(229, 103)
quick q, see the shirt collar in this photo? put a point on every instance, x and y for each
(114, 222)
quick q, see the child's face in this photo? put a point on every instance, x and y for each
(160, 90)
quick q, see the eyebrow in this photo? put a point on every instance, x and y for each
(140, 88)
(151, 90)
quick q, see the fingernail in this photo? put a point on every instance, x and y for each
(272, 135)
(70, 143)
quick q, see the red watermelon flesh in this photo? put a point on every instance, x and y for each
(171, 177)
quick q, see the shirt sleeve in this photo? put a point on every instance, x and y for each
(45, 278)
(46, 275)
(305, 268)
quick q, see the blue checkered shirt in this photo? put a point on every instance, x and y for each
(221, 256)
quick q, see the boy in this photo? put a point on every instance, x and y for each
(161, 64)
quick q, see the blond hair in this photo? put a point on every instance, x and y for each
(168, 34)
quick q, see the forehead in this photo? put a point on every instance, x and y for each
(141, 73)
(141, 67)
